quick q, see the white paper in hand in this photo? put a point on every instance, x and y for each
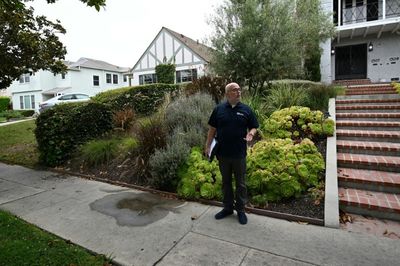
(212, 146)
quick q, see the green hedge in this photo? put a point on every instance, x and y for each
(61, 129)
(165, 73)
(142, 99)
(4, 103)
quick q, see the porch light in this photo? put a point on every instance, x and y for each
(370, 47)
(333, 51)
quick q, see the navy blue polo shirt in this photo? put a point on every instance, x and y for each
(232, 125)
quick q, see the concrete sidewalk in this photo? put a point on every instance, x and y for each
(138, 228)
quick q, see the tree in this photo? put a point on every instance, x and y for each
(29, 43)
(256, 41)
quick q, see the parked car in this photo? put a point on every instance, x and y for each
(66, 98)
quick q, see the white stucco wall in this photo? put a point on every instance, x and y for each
(78, 81)
(383, 63)
(166, 49)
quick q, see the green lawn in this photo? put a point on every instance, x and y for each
(24, 244)
(18, 144)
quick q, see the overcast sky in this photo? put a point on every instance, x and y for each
(120, 33)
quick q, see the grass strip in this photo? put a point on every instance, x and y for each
(24, 244)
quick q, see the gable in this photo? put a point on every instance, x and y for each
(167, 48)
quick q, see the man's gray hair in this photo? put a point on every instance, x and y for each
(230, 86)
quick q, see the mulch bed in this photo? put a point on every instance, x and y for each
(121, 171)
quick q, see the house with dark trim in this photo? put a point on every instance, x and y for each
(367, 43)
(191, 58)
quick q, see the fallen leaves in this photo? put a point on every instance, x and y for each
(345, 218)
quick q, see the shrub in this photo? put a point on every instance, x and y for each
(151, 136)
(215, 86)
(10, 114)
(318, 96)
(165, 73)
(186, 118)
(164, 164)
(279, 169)
(124, 118)
(396, 86)
(142, 99)
(188, 112)
(297, 123)
(283, 95)
(129, 145)
(257, 102)
(27, 113)
(199, 178)
(61, 129)
(97, 152)
(4, 103)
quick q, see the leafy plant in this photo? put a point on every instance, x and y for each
(297, 123)
(396, 86)
(4, 103)
(151, 136)
(9, 114)
(278, 169)
(124, 118)
(283, 95)
(258, 103)
(165, 73)
(143, 99)
(97, 152)
(215, 86)
(186, 120)
(199, 178)
(61, 129)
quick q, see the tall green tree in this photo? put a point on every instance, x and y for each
(256, 41)
(29, 43)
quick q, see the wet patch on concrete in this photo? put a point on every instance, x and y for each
(136, 209)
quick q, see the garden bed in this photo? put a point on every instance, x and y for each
(119, 171)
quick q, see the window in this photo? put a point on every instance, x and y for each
(25, 78)
(147, 79)
(63, 76)
(108, 78)
(27, 102)
(186, 75)
(125, 78)
(96, 80)
(348, 3)
(115, 79)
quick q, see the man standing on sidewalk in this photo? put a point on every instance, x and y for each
(233, 124)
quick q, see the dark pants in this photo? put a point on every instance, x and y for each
(237, 167)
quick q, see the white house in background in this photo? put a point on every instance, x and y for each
(367, 45)
(190, 57)
(86, 75)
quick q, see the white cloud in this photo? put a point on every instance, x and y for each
(121, 32)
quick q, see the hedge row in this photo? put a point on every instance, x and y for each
(61, 129)
(4, 103)
(142, 99)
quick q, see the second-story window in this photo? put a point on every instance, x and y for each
(25, 78)
(96, 80)
(115, 79)
(63, 76)
(108, 78)
(186, 75)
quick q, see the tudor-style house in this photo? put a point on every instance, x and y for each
(87, 76)
(367, 43)
(190, 57)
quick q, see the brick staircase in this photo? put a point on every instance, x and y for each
(368, 150)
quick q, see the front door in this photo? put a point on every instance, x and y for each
(351, 62)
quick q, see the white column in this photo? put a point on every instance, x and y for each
(326, 62)
(384, 9)
(339, 12)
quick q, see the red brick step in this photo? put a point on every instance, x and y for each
(368, 147)
(351, 101)
(368, 107)
(370, 162)
(373, 125)
(369, 135)
(378, 204)
(369, 116)
(369, 180)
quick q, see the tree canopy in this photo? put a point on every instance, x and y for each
(256, 41)
(29, 43)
